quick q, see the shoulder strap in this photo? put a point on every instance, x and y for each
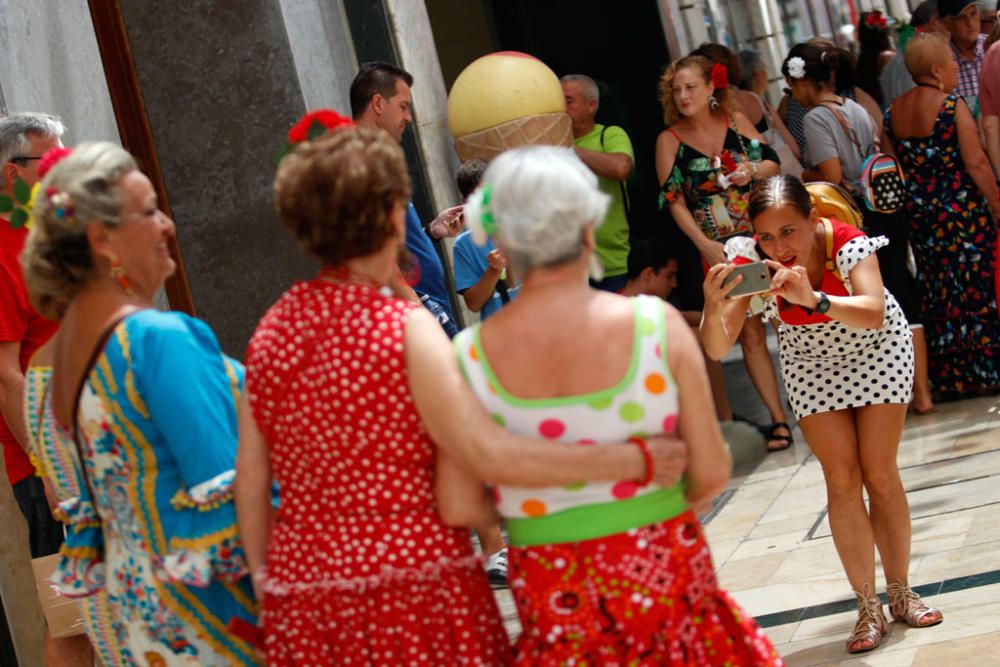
(621, 184)
(844, 124)
(830, 264)
(102, 341)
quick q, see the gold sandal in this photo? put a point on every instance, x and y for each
(906, 606)
(871, 625)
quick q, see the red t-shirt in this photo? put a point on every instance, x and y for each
(21, 324)
(794, 314)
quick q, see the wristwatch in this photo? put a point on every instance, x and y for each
(823, 304)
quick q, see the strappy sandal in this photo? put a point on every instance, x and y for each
(871, 625)
(769, 434)
(907, 607)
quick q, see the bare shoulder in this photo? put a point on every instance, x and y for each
(667, 139)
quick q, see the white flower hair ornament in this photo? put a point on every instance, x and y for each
(481, 224)
(796, 67)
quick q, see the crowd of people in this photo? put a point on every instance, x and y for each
(315, 506)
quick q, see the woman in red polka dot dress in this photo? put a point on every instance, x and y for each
(346, 386)
(602, 573)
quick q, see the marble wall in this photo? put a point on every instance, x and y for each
(221, 89)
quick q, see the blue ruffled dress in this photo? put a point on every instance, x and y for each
(154, 525)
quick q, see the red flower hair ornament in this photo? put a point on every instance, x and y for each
(719, 76)
(876, 20)
(52, 157)
(312, 126)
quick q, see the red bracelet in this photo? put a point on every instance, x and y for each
(647, 456)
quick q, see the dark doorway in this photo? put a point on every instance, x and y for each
(622, 47)
(620, 44)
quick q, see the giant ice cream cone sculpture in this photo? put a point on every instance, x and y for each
(504, 100)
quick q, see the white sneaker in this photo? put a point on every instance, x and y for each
(496, 569)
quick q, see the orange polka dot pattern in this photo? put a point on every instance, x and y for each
(644, 406)
(360, 570)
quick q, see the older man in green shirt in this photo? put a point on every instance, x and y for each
(607, 150)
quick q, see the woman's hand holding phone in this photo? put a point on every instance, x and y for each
(715, 287)
(792, 284)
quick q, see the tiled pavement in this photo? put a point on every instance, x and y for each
(772, 548)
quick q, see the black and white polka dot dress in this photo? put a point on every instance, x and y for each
(831, 366)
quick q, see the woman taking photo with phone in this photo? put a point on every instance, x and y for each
(847, 361)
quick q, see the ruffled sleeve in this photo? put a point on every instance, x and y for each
(857, 249)
(81, 565)
(180, 373)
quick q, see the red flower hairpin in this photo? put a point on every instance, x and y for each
(51, 158)
(876, 20)
(312, 126)
(719, 76)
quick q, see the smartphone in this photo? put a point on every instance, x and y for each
(756, 279)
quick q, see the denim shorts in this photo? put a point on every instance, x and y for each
(45, 533)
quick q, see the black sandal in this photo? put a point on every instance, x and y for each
(769, 434)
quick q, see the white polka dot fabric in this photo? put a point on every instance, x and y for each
(831, 366)
(361, 570)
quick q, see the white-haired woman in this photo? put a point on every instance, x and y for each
(601, 572)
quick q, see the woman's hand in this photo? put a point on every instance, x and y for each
(792, 284)
(715, 291)
(669, 459)
(742, 175)
(712, 252)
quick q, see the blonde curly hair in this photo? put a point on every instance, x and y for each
(701, 64)
(56, 259)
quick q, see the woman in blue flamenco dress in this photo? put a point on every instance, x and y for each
(147, 402)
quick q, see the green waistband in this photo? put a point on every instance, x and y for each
(592, 521)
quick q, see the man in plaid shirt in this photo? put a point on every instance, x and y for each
(961, 17)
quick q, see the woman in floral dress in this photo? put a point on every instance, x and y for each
(706, 165)
(147, 403)
(953, 222)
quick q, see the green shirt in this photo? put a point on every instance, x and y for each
(612, 235)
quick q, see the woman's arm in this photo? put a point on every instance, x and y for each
(723, 318)
(786, 134)
(991, 130)
(871, 106)
(460, 427)
(974, 157)
(865, 309)
(825, 171)
(461, 498)
(252, 493)
(709, 461)
(765, 168)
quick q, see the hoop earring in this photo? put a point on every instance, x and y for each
(713, 103)
(118, 275)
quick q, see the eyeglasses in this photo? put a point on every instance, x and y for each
(22, 160)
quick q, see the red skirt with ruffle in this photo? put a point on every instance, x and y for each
(645, 597)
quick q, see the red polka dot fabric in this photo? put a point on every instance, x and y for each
(360, 570)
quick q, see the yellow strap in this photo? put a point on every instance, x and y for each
(830, 264)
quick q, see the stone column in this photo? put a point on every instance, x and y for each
(221, 88)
